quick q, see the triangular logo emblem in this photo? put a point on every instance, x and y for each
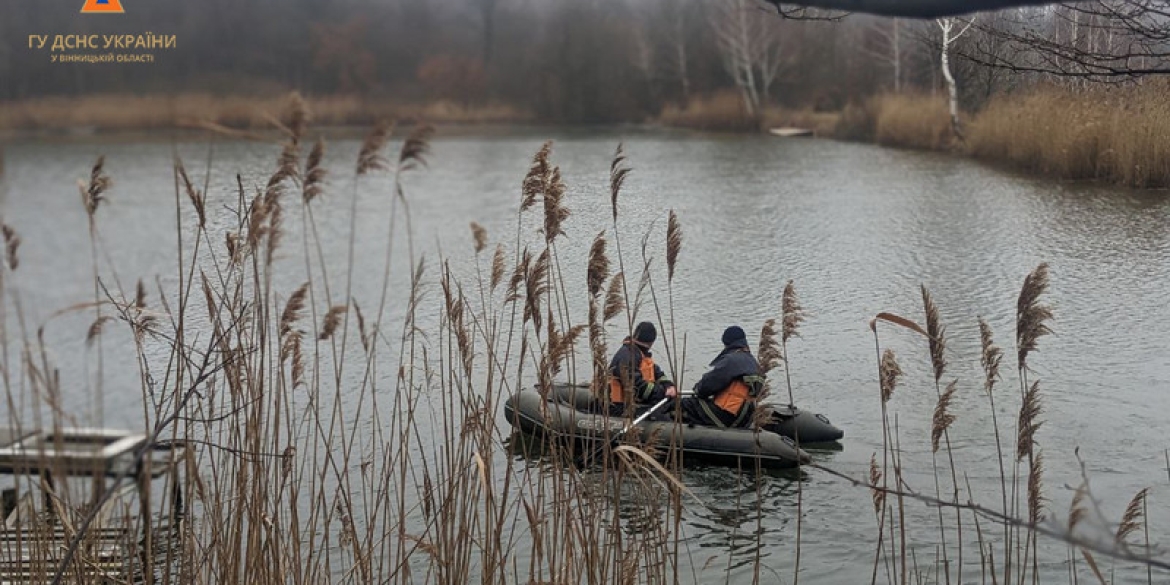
(103, 6)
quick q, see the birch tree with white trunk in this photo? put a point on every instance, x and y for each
(749, 44)
(952, 28)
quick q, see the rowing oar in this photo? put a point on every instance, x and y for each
(581, 460)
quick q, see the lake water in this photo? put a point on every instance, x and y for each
(857, 228)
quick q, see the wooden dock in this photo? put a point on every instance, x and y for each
(38, 526)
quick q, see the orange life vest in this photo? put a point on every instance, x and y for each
(733, 397)
(616, 395)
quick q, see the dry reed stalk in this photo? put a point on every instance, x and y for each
(1031, 316)
(480, 236)
(370, 157)
(332, 321)
(1076, 509)
(989, 357)
(1133, 518)
(598, 267)
(875, 478)
(497, 266)
(314, 183)
(293, 309)
(935, 335)
(1029, 421)
(11, 246)
(890, 373)
(673, 244)
(615, 297)
(1035, 486)
(415, 148)
(198, 200)
(535, 180)
(93, 192)
(768, 351)
(618, 171)
(792, 312)
(942, 417)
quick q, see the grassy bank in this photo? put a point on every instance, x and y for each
(134, 112)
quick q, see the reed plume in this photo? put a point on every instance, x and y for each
(293, 309)
(536, 285)
(1035, 487)
(198, 201)
(536, 178)
(298, 116)
(93, 193)
(555, 212)
(936, 336)
(1029, 421)
(332, 321)
(598, 268)
(618, 171)
(497, 266)
(274, 211)
(1132, 519)
(1076, 510)
(792, 312)
(769, 353)
(673, 244)
(370, 157)
(480, 235)
(95, 328)
(11, 245)
(1031, 316)
(291, 349)
(415, 148)
(257, 222)
(890, 372)
(518, 275)
(942, 416)
(875, 479)
(615, 300)
(314, 183)
(361, 322)
(989, 358)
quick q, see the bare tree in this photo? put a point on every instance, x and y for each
(750, 48)
(1103, 40)
(952, 29)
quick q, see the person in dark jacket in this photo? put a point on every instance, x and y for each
(633, 376)
(726, 395)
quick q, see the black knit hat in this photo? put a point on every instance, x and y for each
(733, 334)
(645, 333)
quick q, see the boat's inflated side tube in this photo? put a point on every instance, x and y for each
(570, 413)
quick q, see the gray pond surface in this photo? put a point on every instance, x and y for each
(857, 228)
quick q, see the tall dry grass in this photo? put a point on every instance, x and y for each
(116, 112)
(919, 121)
(1112, 134)
(723, 111)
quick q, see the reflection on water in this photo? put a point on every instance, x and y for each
(857, 228)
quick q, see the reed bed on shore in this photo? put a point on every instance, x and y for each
(117, 112)
(1116, 135)
(331, 443)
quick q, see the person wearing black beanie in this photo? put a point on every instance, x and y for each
(726, 395)
(633, 375)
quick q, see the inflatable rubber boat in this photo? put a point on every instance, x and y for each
(572, 412)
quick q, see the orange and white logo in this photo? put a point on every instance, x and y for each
(103, 6)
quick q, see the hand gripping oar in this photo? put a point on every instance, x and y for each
(581, 460)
